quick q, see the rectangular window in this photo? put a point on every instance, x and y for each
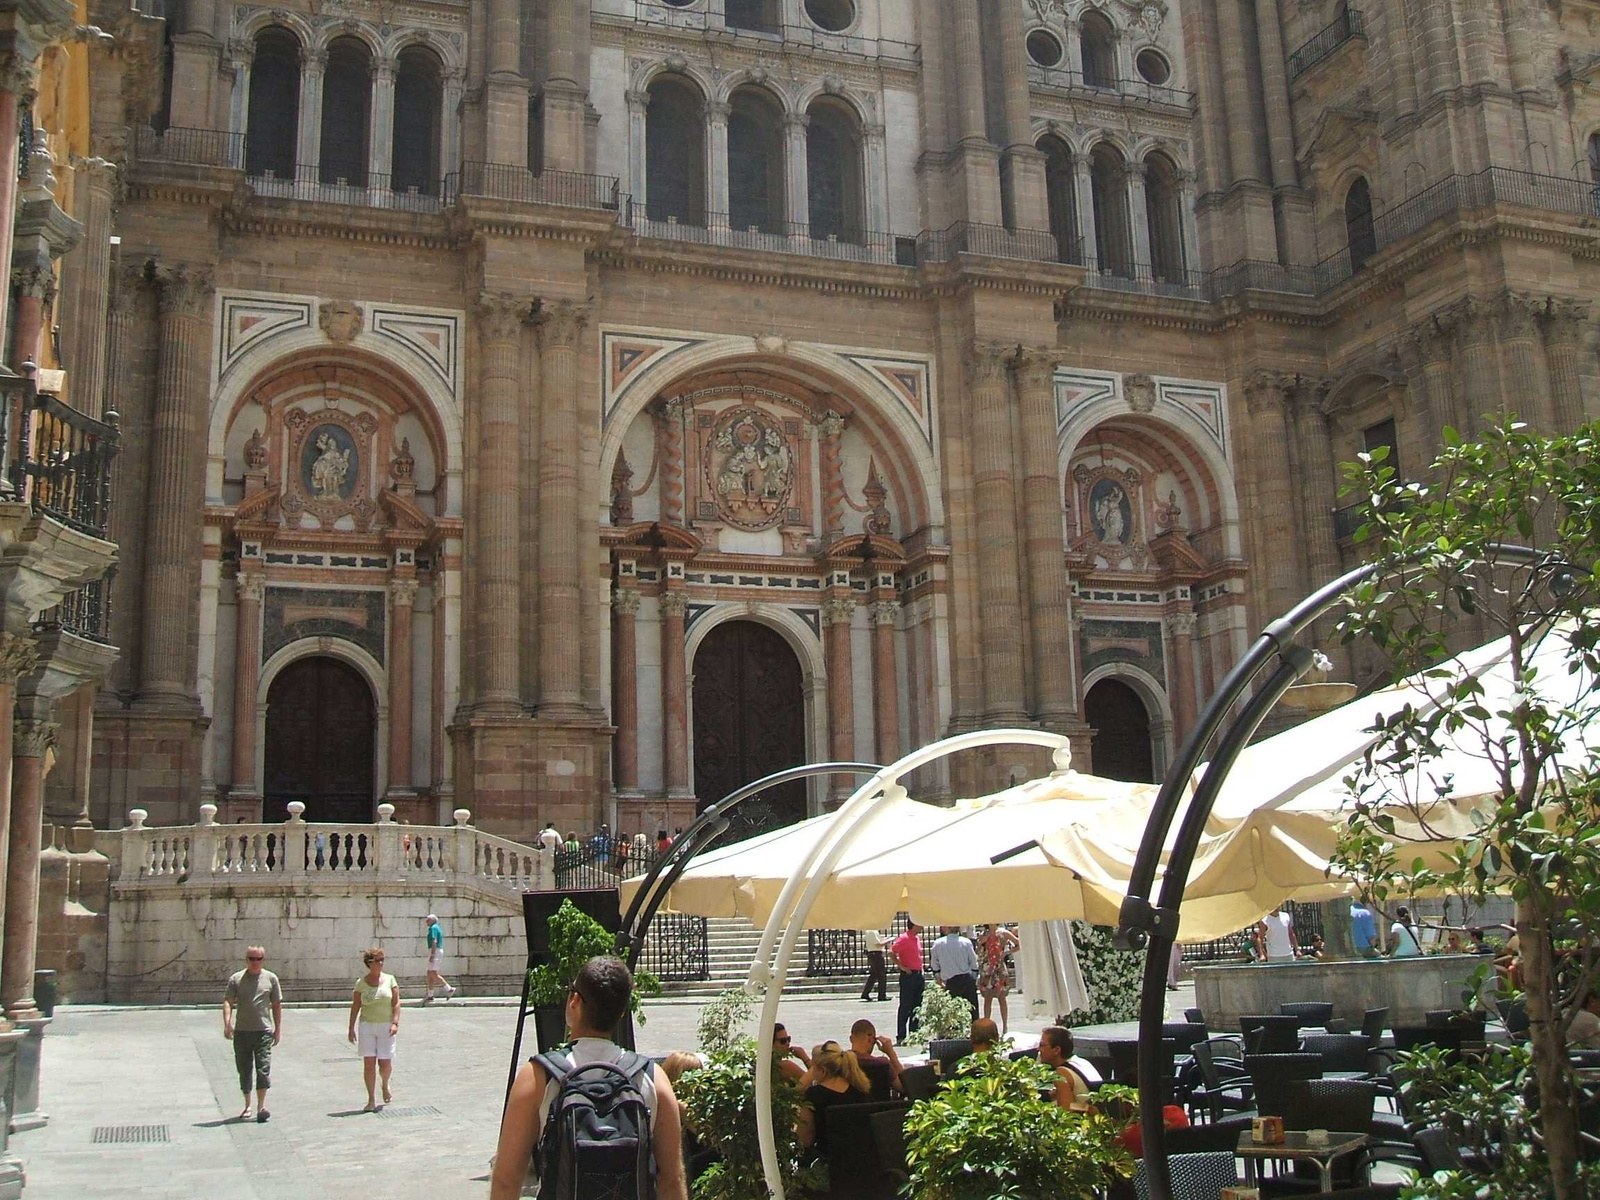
(1383, 434)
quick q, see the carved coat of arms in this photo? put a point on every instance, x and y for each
(749, 469)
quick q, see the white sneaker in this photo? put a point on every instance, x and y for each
(427, 997)
(449, 993)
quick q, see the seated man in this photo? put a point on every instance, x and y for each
(1584, 1032)
(881, 1070)
(788, 1052)
(1072, 1085)
(985, 1036)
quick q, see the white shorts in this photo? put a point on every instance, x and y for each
(435, 958)
(374, 1040)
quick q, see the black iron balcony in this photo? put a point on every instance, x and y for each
(85, 612)
(504, 181)
(1345, 26)
(995, 241)
(67, 459)
(197, 147)
(351, 185)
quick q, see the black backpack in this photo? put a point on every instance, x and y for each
(596, 1142)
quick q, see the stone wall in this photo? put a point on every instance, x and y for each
(178, 945)
(1407, 987)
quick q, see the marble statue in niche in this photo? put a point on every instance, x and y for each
(1111, 512)
(329, 463)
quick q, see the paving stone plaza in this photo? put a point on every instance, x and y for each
(171, 1068)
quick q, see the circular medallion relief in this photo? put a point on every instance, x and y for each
(750, 469)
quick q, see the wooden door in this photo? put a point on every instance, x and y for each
(749, 721)
(321, 742)
(1121, 748)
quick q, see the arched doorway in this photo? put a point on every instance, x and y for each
(749, 721)
(321, 742)
(1121, 724)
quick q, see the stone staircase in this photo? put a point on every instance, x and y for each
(732, 946)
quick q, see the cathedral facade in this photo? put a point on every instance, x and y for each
(571, 410)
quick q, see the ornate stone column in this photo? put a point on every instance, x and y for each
(1319, 488)
(18, 73)
(1237, 98)
(1523, 352)
(246, 680)
(402, 599)
(241, 58)
(1433, 340)
(1083, 197)
(450, 121)
(995, 502)
(18, 657)
(172, 543)
(625, 688)
(560, 607)
(838, 612)
(1138, 216)
(1275, 516)
(32, 287)
(312, 65)
(380, 139)
(1186, 215)
(830, 432)
(1562, 323)
(499, 536)
(638, 109)
(797, 201)
(1478, 363)
(674, 694)
(31, 742)
(716, 112)
(1180, 634)
(86, 272)
(885, 680)
(1275, 92)
(668, 416)
(876, 182)
(1049, 613)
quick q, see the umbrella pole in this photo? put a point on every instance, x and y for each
(824, 857)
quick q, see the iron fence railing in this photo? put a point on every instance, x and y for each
(995, 241)
(1064, 79)
(1147, 279)
(505, 181)
(199, 147)
(67, 458)
(839, 953)
(1325, 41)
(677, 949)
(842, 242)
(1347, 520)
(85, 612)
(359, 188)
(1308, 922)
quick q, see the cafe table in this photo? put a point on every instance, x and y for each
(1297, 1146)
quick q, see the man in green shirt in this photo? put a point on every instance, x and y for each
(252, 1019)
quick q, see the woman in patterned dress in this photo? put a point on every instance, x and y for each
(994, 978)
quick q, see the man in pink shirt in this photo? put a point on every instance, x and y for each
(907, 951)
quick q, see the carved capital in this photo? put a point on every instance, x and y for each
(831, 426)
(625, 602)
(674, 604)
(19, 74)
(1433, 337)
(249, 586)
(403, 592)
(796, 122)
(313, 60)
(561, 324)
(638, 101)
(1311, 395)
(1036, 368)
(1133, 170)
(502, 315)
(1181, 625)
(39, 283)
(1563, 320)
(1519, 315)
(383, 70)
(18, 657)
(884, 612)
(985, 363)
(183, 291)
(32, 739)
(1264, 391)
(717, 111)
(1472, 319)
(838, 610)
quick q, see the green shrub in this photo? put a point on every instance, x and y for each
(575, 938)
(990, 1135)
(940, 1015)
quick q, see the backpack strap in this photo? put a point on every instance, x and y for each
(633, 1064)
(556, 1065)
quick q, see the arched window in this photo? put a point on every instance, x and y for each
(1112, 232)
(1594, 158)
(674, 152)
(1359, 234)
(1061, 194)
(1099, 42)
(418, 93)
(1163, 202)
(346, 105)
(755, 162)
(273, 128)
(836, 200)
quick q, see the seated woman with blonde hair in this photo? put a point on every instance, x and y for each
(836, 1078)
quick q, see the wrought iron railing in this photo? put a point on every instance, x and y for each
(85, 612)
(677, 948)
(359, 188)
(843, 243)
(200, 147)
(1160, 279)
(1349, 519)
(1308, 922)
(838, 953)
(1064, 79)
(504, 181)
(994, 241)
(1345, 26)
(67, 458)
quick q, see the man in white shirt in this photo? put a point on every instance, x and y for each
(874, 943)
(1275, 941)
(955, 965)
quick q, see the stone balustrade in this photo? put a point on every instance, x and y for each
(297, 851)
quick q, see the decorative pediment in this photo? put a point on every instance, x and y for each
(406, 521)
(657, 537)
(867, 547)
(1342, 134)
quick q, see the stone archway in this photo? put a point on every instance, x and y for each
(749, 721)
(321, 742)
(1122, 747)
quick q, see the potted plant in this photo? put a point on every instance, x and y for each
(990, 1134)
(940, 1016)
(575, 938)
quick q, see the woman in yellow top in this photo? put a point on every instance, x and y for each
(376, 1002)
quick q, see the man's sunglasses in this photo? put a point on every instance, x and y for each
(255, 958)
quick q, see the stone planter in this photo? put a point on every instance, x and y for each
(1407, 987)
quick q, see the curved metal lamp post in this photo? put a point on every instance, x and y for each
(1155, 926)
(813, 871)
(711, 824)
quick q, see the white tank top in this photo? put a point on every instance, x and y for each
(598, 1050)
(1278, 944)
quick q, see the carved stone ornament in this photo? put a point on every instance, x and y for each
(18, 657)
(1141, 393)
(1109, 514)
(1181, 625)
(674, 604)
(878, 521)
(501, 315)
(1169, 515)
(562, 323)
(625, 602)
(183, 292)
(622, 491)
(255, 452)
(403, 467)
(340, 320)
(838, 610)
(329, 466)
(749, 469)
(33, 739)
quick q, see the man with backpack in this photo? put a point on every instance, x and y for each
(603, 1120)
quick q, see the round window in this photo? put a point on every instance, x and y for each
(1152, 67)
(1044, 49)
(835, 16)
(678, 3)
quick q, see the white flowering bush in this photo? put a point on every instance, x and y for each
(1111, 976)
(940, 1016)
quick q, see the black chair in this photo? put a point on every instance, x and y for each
(947, 1052)
(1447, 1037)
(1514, 1015)
(1308, 1012)
(1277, 1034)
(1192, 1015)
(1340, 1051)
(1184, 1034)
(1372, 1024)
(845, 1134)
(1270, 1075)
(1125, 1059)
(889, 1135)
(919, 1082)
(1439, 1149)
(1472, 1024)
(1222, 1134)
(1224, 1083)
(1195, 1176)
(880, 1075)
(1017, 1055)
(1344, 1105)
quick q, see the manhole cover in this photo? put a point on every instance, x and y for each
(415, 1110)
(105, 1135)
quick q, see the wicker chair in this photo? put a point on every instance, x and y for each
(1195, 1176)
(1277, 1034)
(1340, 1051)
(1271, 1075)
(1224, 1083)
(1310, 1012)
